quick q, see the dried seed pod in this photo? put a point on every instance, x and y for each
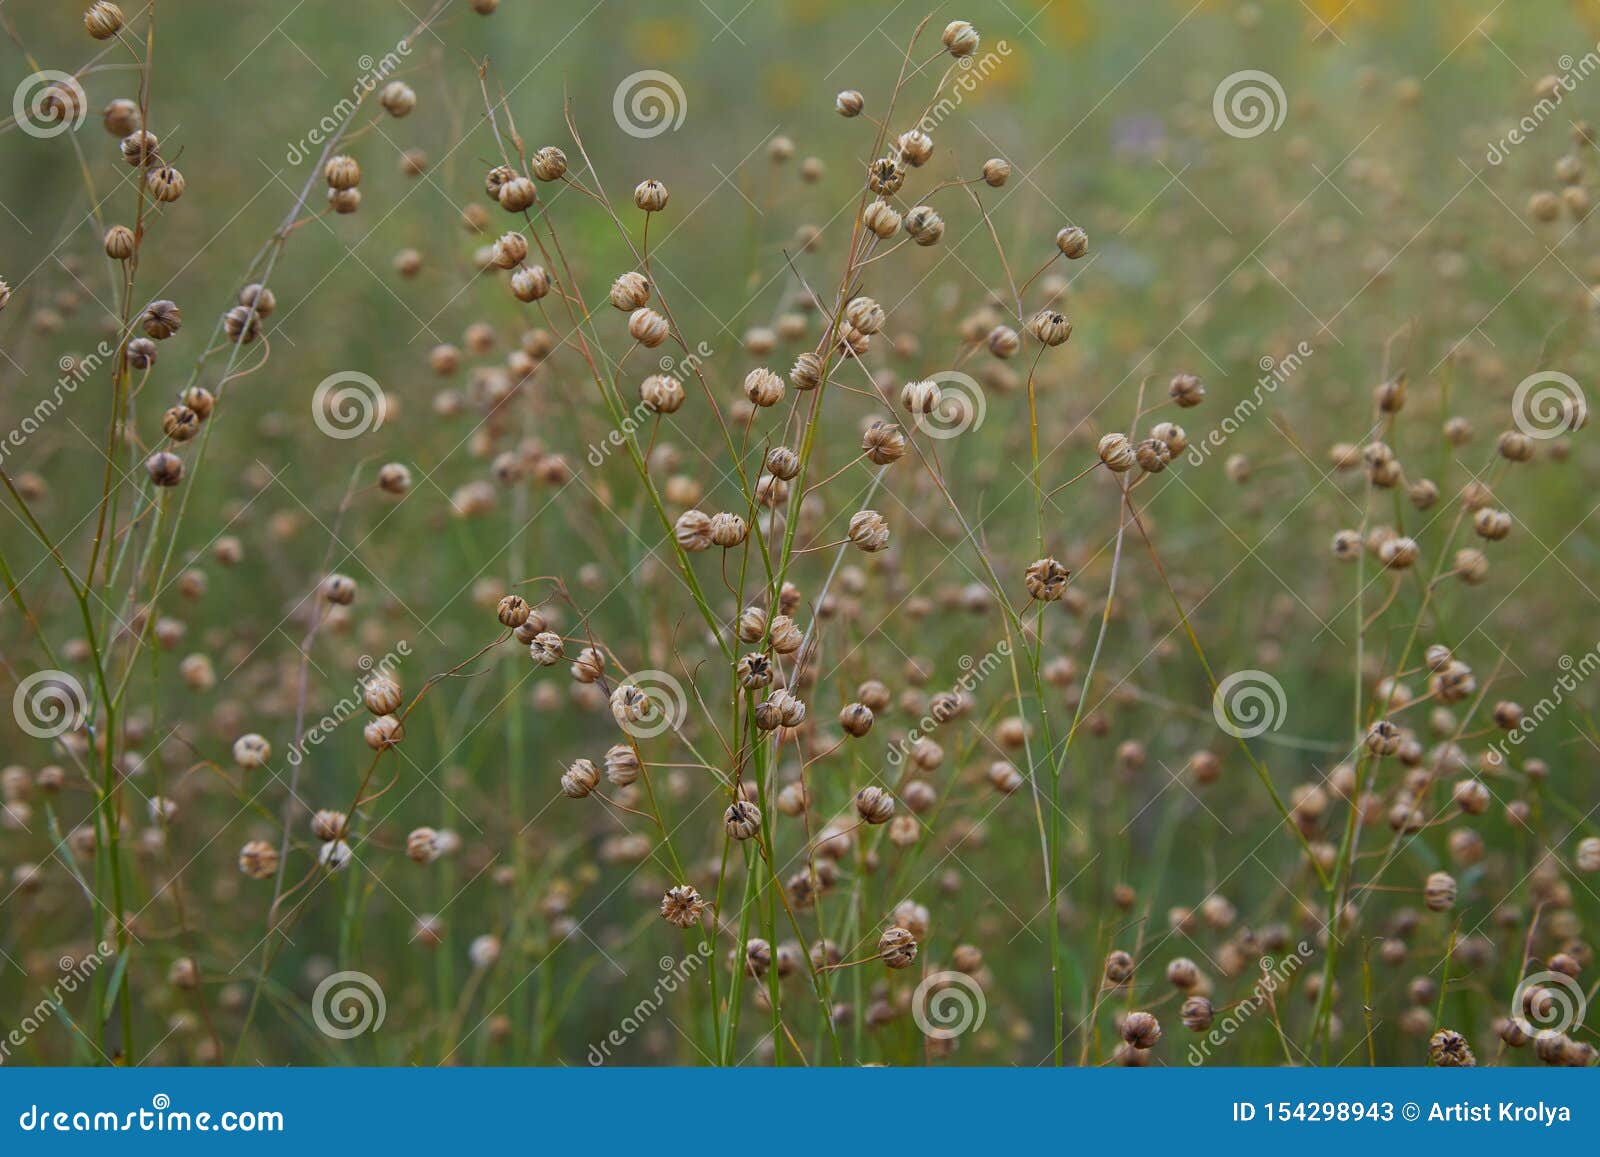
(897, 947)
(589, 665)
(164, 468)
(869, 531)
(1117, 453)
(885, 176)
(1152, 454)
(883, 442)
(849, 103)
(549, 163)
(693, 530)
(1046, 580)
(754, 671)
(162, 319)
(165, 183)
(180, 423)
(1073, 242)
(1186, 390)
(648, 328)
(1141, 1030)
(763, 387)
(546, 649)
(681, 906)
(874, 805)
(259, 860)
(727, 529)
(422, 845)
(996, 171)
(742, 820)
(622, 765)
(650, 195)
(960, 38)
(580, 778)
(882, 218)
(1050, 327)
(328, 825)
(119, 243)
(661, 393)
(398, 99)
(1439, 892)
(383, 732)
(855, 719)
(630, 291)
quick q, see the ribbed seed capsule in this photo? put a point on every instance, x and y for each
(742, 820)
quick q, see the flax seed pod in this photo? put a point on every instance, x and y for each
(727, 530)
(752, 625)
(140, 148)
(753, 671)
(885, 176)
(119, 243)
(1173, 435)
(960, 38)
(258, 860)
(883, 442)
(647, 327)
(763, 387)
(1141, 1030)
(1491, 524)
(661, 393)
(874, 805)
(924, 225)
(785, 635)
(513, 611)
(162, 319)
(1471, 566)
(865, 314)
(882, 218)
(165, 183)
(164, 468)
(849, 103)
(782, 463)
(622, 765)
(1383, 738)
(897, 948)
(630, 291)
(549, 163)
(381, 695)
(580, 778)
(1117, 453)
(339, 589)
(589, 665)
(240, 325)
(509, 250)
(1152, 454)
(121, 117)
(855, 719)
(328, 825)
(180, 423)
(806, 373)
(693, 530)
(920, 397)
(1118, 967)
(1046, 580)
(742, 820)
(681, 906)
(1399, 552)
(103, 20)
(869, 532)
(384, 732)
(1004, 777)
(546, 649)
(1197, 1014)
(1050, 327)
(1186, 390)
(1439, 892)
(996, 171)
(650, 195)
(1586, 858)
(422, 846)
(1073, 242)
